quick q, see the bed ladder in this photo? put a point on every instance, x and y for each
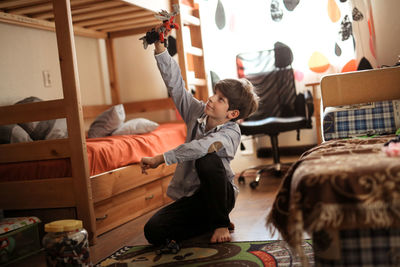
(190, 48)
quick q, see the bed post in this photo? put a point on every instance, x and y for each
(112, 71)
(77, 142)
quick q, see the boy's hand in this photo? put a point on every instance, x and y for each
(159, 47)
(151, 162)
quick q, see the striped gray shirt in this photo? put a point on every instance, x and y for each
(198, 142)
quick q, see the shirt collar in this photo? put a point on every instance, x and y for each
(203, 121)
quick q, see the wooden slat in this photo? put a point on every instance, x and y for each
(123, 179)
(74, 4)
(198, 82)
(129, 205)
(45, 25)
(360, 87)
(194, 51)
(124, 33)
(190, 20)
(103, 13)
(130, 15)
(37, 111)
(148, 25)
(32, 9)
(37, 194)
(112, 72)
(133, 21)
(131, 107)
(149, 105)
(71, 90)
(18, 3)
(75, 10)
(38, 150)
(94, 111)
(179, 44)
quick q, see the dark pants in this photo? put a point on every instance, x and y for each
(203, 212)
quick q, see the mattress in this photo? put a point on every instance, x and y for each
(340, 184)
(104, 154)
(362, 119)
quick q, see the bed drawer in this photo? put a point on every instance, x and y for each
(126, 206)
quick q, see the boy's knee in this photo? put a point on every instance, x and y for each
(152, 232)
(210, 167)
(208, 162)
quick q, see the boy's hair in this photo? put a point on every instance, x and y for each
(240, 94)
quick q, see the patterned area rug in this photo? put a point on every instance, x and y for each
(252, 253)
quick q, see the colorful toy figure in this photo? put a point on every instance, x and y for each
(162, 32)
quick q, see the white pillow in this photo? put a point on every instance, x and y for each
(136, 126)
(19, 135)
(59, 130)
(13, 133)
(107, 122)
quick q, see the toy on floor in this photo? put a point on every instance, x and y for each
(160, 33)
(392, 147)
(171, 247)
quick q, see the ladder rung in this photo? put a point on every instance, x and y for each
(190, 20)
(197, 82)
(194, 51)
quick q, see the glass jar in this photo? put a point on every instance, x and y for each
(66, 244)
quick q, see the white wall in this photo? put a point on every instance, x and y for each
(26, 52)
(387, 30)
(138, 75)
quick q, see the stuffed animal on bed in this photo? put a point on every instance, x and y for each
(162, 32)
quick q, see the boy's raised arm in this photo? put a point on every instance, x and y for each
(188, 106)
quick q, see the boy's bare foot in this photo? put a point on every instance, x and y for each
(221, 235)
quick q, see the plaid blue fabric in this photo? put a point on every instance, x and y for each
(378, 119)
(366, 248)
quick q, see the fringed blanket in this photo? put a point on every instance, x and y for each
(341, 184)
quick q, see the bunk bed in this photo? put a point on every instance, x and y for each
(108, 199)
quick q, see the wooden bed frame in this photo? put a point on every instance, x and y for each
(360, 87)
(107, 200)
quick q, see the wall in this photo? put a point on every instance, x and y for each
(26, 52)
(138, 75)
(387, 31)
(220, 46)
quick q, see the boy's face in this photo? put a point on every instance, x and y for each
(217, 107)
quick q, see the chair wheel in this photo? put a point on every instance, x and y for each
(253, 184)
(241, 180)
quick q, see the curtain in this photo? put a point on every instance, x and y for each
(325, 36)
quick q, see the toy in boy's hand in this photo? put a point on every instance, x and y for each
(160, 33)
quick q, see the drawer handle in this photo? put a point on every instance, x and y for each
(102, 218)
(149, 197)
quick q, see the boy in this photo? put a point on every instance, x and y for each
(202, 186)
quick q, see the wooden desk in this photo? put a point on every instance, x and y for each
(317, 106)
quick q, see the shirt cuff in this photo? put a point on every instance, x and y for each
(161, 54)
(170, 158)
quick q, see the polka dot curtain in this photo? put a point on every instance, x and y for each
(325, 36)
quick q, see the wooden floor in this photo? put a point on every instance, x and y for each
(251, 209)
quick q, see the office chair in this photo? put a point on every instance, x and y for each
(280, 109)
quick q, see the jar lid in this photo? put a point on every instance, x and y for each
(63, 226)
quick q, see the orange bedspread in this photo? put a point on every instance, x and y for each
(104, 154)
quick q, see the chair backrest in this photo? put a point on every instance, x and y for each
(360, 87)
(272, 75)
